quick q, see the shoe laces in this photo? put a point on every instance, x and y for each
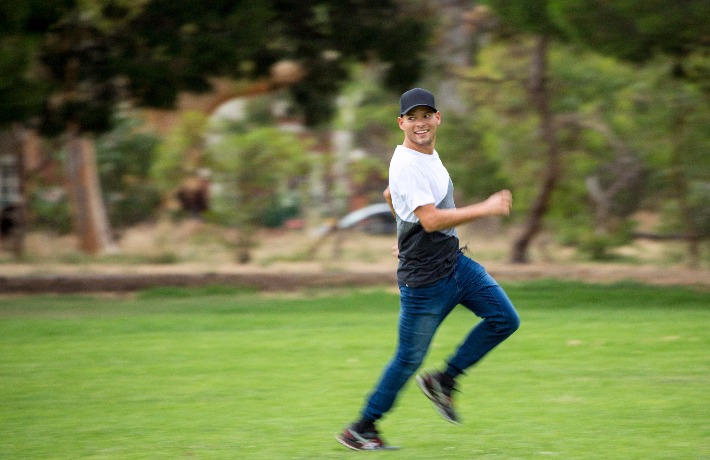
(446, 389)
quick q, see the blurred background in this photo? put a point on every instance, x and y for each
(234, 132)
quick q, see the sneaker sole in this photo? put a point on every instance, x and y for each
(422, 386)
(350, 446)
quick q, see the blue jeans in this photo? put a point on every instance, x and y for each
(422, 310)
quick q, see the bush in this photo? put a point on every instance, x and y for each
(600, 246)
(50, 210)
(128, 209)
(125, 157)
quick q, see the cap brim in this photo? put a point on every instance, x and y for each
(418, 105)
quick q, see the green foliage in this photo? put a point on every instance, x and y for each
(180, 153)
(137, 203)
(670, 120)
(632, 29)
(125, 154)
(32, 16)
(252, 169)
(21, 94)
(366, 170)
(599, 246)
(375, 110)
(22, 90)
(92, 55)
(350, 31)
(531, 16)
(497, 144)
(648, 117)
(368, 113)
(50, 210)
(475, 171)
(699, 203)
(125, 157)
(173, 46)
(608, 113)
(279, 212)
(696, 69)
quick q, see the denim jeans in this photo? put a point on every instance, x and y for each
(422, 310)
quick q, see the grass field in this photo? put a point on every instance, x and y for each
(595, 372)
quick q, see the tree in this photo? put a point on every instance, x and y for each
(635, 31)
(252, 170)
(97, 54)
(590, 93)
(100, 54)
(641, 32)
(22, 91)
(328, 35)
(532, 17)
(182, 151)
(125, 156)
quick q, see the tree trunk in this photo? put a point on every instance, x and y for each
(680, 186)
(245, 244)
(455, 51)
(89, 212)
(18, 236)
(539, 95)
(626, 173)
(13, 210)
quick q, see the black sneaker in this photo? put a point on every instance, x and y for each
(439, 394)
(371, 440)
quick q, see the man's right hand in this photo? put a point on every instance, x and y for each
(499, 203)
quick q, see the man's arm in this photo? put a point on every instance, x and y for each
(434, 219)
(388, 199)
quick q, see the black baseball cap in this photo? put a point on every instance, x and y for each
(414, 98)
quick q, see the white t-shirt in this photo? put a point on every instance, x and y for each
(416, 179)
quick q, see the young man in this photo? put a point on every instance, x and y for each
(433, 274)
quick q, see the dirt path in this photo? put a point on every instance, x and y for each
(200, 255)
(288, 277)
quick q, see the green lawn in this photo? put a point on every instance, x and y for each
(595, 372)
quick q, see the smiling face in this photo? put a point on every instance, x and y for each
(419, 126)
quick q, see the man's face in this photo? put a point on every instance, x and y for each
(419, 126)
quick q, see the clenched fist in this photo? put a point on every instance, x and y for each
(499, 203)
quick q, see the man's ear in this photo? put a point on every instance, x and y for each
(400, 121)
